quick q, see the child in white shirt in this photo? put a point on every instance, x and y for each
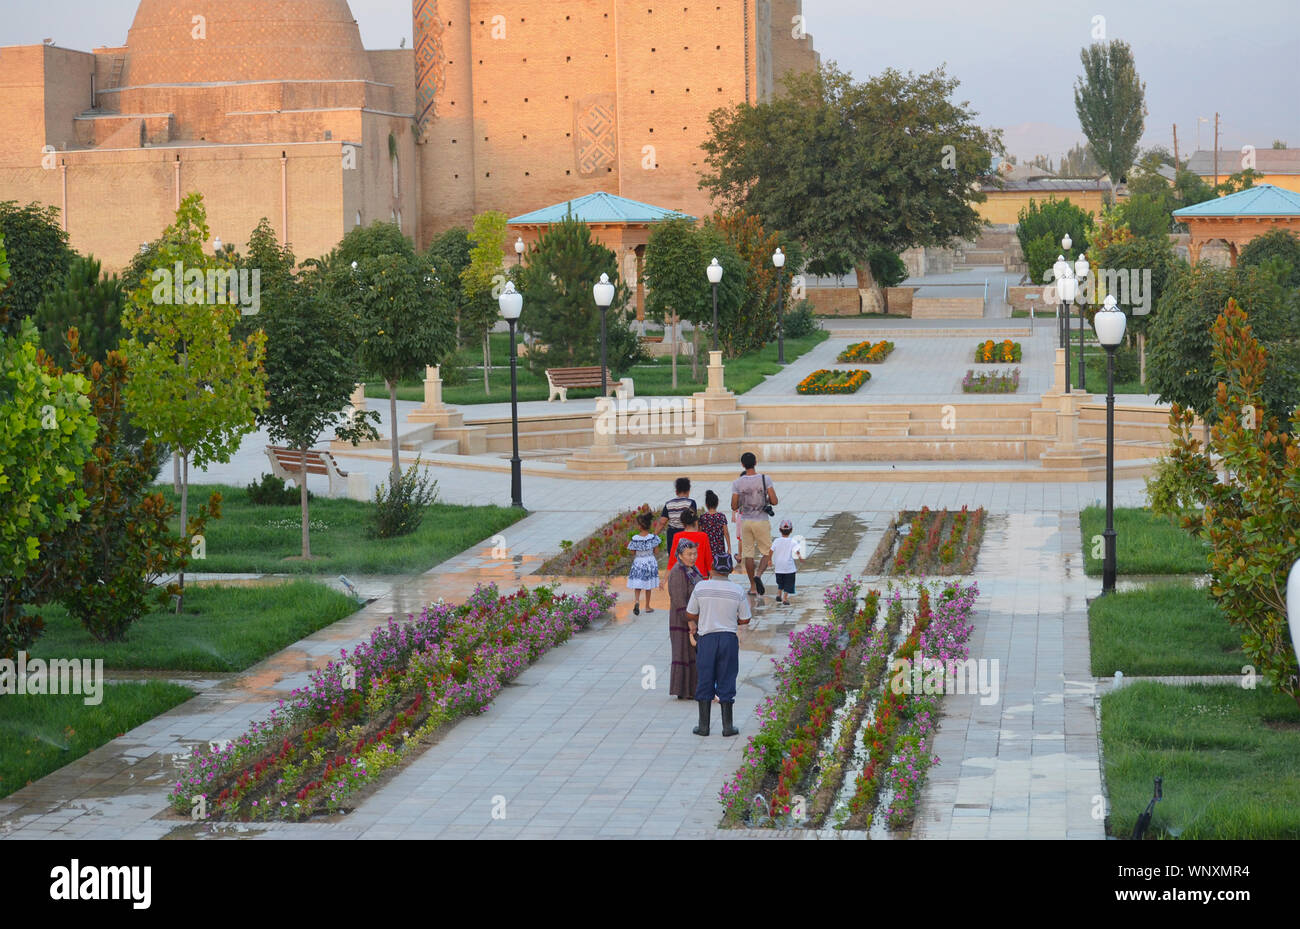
(783, 552)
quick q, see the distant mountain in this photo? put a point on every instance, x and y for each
(1029, 139)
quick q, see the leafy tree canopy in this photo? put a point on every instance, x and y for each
(1110, 100)
(39, 256)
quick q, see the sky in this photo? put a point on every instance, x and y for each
(1017, 60)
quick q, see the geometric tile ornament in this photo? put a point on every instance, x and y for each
(595, 142)
(430, 63)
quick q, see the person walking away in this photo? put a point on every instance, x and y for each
(714, 524)
(681, 582)
(754, 496)
(716, 610)
(671, 514)
(644, 573)
(784, 552)
(691, 530)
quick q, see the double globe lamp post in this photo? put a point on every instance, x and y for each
(1067, 290)
(1110, 324)
(778, 259)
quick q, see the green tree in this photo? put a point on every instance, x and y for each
(753, 323)
(1249, 512)
(1133, 258)
(88, 301)
(559, 308)
(1274, 245)
(310, 365)
(192, 385)
(843, 166)
(1079, 162)
(385, 286)
(676, 259)
(39, 256)
(481, 282)
(1181, 346)
(887, 267)
(46, 433)
(1040, 228)
(1147, 215)
(1111, 103)
(1235, 183)
(106, 564)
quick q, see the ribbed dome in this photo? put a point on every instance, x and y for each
(246, 40)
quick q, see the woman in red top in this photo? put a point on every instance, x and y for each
(691, 530)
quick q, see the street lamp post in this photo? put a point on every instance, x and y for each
(604, 294)
(1110, 324)
(714, 271)
(1081, 270)
(519, 251)
(1066, 287)
(778, 259)
(512, 304)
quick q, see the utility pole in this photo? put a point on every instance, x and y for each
(1216, 149)
(1177, 163)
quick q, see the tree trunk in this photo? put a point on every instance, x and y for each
(1142, 358)
(695, 354)
(674, 345)
(302, 497)
(185, 518)
(873, 299)
(487, 364)
(392, 409)
(176, 472)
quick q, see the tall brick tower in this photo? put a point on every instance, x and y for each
(539, 101)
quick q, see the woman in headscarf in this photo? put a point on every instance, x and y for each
(681, 581)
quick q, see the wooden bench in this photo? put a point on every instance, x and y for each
(561, 379)
(286, 464)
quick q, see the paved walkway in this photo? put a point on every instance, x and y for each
(577, 746)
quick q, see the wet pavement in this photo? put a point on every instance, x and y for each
(588, 743)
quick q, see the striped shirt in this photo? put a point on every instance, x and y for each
(674, 509)
(718, 604)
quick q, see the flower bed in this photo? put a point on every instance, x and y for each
(991, 382)
(1004, 352)
(826, 381)
(929, 541)
(603, 553)
(834, 741)
(366, 712)
(866, 353)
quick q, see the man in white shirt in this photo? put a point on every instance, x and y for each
(717, 608)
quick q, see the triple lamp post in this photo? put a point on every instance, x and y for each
(1067, 290)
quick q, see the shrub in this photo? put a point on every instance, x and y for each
(400, 507)
(272, 491)
(800, 321)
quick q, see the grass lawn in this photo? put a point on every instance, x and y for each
(1144, 543)
(1164, 629)
(219, 628)
(1094, 369)
(653, 379)
(1227, 756)
(259, 539)
(41, 733)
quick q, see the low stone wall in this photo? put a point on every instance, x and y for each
(948, 308)
(1018, 298)
(834, 301)
(898, 300)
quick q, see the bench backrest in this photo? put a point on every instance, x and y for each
(566, 377)
(291, 460)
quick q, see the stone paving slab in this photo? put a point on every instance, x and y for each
(577, 739)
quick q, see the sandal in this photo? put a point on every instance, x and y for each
(636, 609)
(649, 609)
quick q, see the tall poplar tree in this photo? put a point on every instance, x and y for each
(1111, 103)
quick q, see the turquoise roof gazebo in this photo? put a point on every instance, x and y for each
(1240, 217)
(620, 224)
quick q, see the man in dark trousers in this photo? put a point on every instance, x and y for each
(716, 609)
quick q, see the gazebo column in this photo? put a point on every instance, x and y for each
(1232, 254)
(1194, 251)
